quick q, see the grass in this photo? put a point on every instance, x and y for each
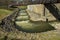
(34, 27)
(4, 13)
(3, 7)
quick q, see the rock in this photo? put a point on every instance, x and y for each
(36, 13)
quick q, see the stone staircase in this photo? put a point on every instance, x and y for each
(22, 17)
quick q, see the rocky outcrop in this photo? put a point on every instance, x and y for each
(41, 13)
(35, 12)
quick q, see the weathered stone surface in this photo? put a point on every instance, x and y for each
(36, 13)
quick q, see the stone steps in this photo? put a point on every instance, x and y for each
(23, 16)
(18, 22)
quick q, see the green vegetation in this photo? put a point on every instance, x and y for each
(3, 7)
(34, 27)
(4, 13)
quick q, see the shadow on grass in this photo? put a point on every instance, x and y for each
(36, 27)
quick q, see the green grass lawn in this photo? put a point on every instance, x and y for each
(4, 13)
